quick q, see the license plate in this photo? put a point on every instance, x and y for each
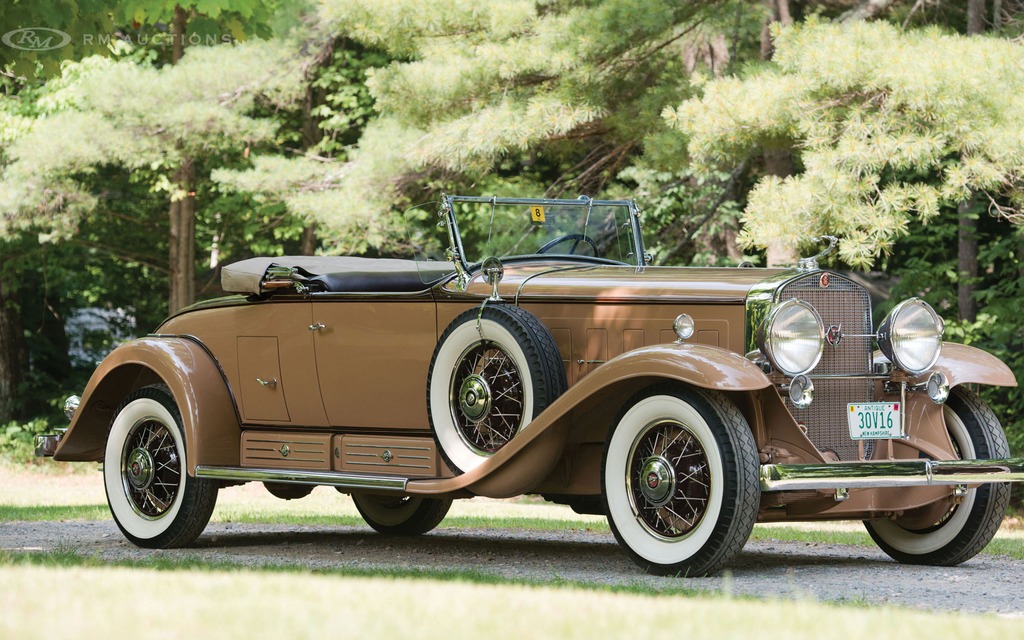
(874, 420)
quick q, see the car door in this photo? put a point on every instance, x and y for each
(372, 357)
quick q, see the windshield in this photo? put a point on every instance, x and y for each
(604, 230)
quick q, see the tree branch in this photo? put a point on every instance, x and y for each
(866, 10)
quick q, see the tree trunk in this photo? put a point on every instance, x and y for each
(975, 17)
(178, 28)
(778, 162)
(182, 241)
(967, 261)
(182, 261)
(967, 229)
(309, 240)
(13, 356)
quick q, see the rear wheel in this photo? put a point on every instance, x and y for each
(401, 515)
(151, 496)
(680, 481)
(964, 529)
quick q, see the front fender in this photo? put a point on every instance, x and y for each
(211, 424)
(962, 364)
(592, 404)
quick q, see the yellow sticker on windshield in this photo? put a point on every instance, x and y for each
(537, 214)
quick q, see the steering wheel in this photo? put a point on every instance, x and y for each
(575, 238)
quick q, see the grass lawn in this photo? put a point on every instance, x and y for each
(248, 604)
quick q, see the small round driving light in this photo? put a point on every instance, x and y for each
(911, 336)
(801, 391)
(937, 387)
(792, 337)
(683, 326)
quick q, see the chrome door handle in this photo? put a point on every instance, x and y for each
(317, 326)
(267, 383)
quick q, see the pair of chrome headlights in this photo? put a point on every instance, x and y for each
(793, 336)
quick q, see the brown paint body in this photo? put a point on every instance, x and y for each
(335, 379)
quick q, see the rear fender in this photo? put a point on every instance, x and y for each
(587, 410)
(212, 431)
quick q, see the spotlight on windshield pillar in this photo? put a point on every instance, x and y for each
(683, 326)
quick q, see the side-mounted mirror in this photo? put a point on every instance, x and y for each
(493, 272)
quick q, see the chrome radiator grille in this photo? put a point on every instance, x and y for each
(844, 308)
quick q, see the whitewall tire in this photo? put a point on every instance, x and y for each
(966, 528)
(153, 500)
(401, 515)
(680, 481)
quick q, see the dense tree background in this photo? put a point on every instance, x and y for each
(169, 138)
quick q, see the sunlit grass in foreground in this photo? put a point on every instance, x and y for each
(247, 603)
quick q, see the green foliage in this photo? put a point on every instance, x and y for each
(38, 29)
(925, 265)
(560, 93)
(17, 439)
(889, 126)
(142, 118)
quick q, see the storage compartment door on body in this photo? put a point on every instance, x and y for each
(372, 358)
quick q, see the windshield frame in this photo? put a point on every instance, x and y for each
(456, 252)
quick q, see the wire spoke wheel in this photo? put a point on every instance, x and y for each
(679, 480)
(494, 370)
(487, 397)
(151, 469)
(153, 500)
(670, 480)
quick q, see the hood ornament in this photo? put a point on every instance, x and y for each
(811, 264)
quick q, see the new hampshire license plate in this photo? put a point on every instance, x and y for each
(874, 420)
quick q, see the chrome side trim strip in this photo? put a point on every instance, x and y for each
(302, 476)
(909, 473)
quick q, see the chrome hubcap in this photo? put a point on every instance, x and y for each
(151, 470)
(669, 480)
(658, 481)
(487, 397)
(140, 469)
(475, 398)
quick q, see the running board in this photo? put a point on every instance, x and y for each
(300, 476)
(909, 473)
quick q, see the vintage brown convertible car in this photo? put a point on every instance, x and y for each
(545, 356)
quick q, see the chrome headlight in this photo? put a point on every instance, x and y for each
(792, 337)
(911, 336)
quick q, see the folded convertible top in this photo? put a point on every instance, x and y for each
(337, 273)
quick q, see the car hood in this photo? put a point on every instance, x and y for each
(611, 283)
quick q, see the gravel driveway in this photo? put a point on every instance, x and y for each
(765, 569)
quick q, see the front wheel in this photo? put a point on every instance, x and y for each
(680, 481)
(963, 530)
(151, 496)
(401, 515)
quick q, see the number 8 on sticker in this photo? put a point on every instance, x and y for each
(537, 214)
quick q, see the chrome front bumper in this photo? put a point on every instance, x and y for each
(910, 473)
